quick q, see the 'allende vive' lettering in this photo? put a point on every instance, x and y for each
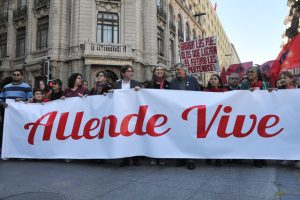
(155, 121)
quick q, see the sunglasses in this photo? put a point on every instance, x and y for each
(16, 74)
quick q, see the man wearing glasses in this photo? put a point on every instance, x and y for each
(17, 90)
(126, 81)
(233, 82)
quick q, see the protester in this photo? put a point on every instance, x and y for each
(286, 78)
(215, 85)
(158, 81)
(286, 82)
(126, 82)
(38, 96)
(17, 90)
(233, 82)
(43, 87)
(182, 81)
(102, 86)
(278, 83)
(85, 85)
(56, 90)
(75, 88)
(253, 82)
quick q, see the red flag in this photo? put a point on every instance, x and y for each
(215, 7)
(240, 68)
(266, 69)
(223, 76)
(288, 58)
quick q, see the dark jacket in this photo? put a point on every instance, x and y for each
(191, 84)
(99, 90)
(154, 85)
(133, 84)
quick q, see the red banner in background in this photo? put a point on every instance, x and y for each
(266, 70)
(240, 68)
(288, 58)
(200, 55)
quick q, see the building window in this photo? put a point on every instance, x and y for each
(160, 41)
(160, 4)
(172, 50)
(42, 33)
(194, 34)
(22, 3)
(108, 27)
(3, 45)
(171, 14)
(4, 7)
(20, 42)
(188, 34)
(180, 28)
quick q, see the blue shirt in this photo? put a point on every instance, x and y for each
(13, 91)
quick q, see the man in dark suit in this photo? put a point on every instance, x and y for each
(126, 81)
(182, 81)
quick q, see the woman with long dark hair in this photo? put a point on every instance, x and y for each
(75, 88)
(158, 80)
(215, 84)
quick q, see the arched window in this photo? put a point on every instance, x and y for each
(108, 27)
(188, 34)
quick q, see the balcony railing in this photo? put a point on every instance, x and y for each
(172, 27)
(20, 12)
(3, 18)
(161, 13)
(108, 50)
(41, 3)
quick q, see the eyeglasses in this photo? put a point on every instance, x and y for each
(130, 71)
(16, 74)
(100, 75)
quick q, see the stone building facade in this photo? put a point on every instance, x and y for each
(87, 36)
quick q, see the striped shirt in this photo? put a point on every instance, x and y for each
(13, 91)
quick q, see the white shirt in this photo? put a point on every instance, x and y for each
(125, 85)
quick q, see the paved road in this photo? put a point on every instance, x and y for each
(79, 180)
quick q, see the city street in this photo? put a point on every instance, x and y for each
(47, 180)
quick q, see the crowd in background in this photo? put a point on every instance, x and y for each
(14, 88)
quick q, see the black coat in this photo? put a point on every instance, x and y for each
(191, 84)
(133, 84)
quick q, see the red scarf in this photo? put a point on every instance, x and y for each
(257, 85)
(160, 81)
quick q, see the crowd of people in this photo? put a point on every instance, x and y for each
(15, 88)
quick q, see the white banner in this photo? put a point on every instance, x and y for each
(157, 123)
